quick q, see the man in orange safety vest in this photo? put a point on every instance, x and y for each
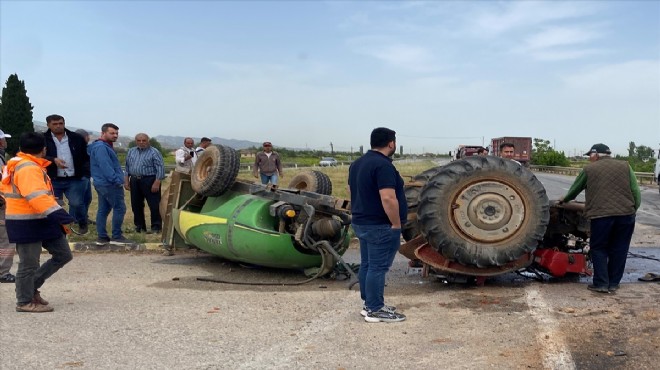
(34, 220)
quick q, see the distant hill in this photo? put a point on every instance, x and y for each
(175, 142)
(167, 142)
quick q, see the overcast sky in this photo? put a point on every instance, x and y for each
(308, 73)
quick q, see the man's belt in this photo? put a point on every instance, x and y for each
(139, 177)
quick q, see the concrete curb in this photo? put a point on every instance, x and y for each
(92, 246)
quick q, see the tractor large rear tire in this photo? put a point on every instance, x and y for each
(483, 211)
(313, 181)
(215, 171)
(411, 228)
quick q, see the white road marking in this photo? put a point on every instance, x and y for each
(556, 355)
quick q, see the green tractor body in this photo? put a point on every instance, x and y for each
(240, 227)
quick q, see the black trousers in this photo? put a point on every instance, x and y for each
(141, 191)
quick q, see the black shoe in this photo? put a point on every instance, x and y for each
(83, 229)
(140, 229)
(8, 278)
(613, 288)
(156, 230)
(597, 289)
(102, 241)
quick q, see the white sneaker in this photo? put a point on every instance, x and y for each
(384, 316)
(386, 308)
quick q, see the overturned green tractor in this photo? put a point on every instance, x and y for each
(298, 228)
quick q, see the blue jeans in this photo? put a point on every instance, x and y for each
(74, 190)
(378, 247)
(111, 198)
(87, 197)
(266, 178)
(30, 276)
(610, 241)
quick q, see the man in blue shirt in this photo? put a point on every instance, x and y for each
(144, 171)
(378, 207)
(109, 184)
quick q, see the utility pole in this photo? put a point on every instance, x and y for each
(332, 149)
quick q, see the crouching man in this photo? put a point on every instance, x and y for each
(33, 220)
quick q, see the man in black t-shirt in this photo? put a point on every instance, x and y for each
(378, 207)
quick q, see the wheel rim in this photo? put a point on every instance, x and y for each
(205, 169)
(488, 211)
(302, 185)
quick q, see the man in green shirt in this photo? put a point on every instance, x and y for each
(612, 199)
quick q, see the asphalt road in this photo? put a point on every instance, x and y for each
(148, 311)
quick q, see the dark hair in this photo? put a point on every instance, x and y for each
(106, 126)
(54, 117)
(506, 145)
(381, 136)
(482, 150)
(204, 140)
(31, 142)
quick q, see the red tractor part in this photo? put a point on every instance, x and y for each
(558, 263)
(430, 256)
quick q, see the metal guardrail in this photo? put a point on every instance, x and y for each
(642, 177)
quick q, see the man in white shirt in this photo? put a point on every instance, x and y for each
(203, 144)
(185, 156)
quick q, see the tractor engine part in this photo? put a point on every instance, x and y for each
(558, 263)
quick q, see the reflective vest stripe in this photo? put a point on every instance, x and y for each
(37, 193)
(31, 216)
(52, 209)
(24, 164)
(34, 216)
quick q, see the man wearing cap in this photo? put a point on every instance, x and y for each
(7, 249)
(268, 165)
(69, 170)
(203, 144)
(612, 199)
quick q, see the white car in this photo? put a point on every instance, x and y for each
(327, 162)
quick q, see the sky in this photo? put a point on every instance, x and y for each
(308, 74)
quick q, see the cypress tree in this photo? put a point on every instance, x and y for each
(15, 112)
